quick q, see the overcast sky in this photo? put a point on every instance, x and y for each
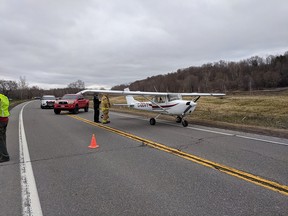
(104, 43)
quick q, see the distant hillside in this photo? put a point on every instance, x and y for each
(255, 73)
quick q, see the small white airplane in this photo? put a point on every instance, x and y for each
(161, 102)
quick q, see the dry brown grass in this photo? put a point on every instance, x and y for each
(255, 110)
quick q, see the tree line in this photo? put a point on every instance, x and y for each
(21, 91)
(255, 73)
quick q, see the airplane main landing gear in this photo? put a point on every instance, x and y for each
(152, 121)
(178, 119)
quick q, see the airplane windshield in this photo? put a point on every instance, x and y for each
(172, 97)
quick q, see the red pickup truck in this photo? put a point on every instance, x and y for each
(71, 103)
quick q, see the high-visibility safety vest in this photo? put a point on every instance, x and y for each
(4, 106)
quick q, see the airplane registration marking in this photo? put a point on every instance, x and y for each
(283, 189)
(143, 105)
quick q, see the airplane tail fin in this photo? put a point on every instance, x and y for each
(130, 99)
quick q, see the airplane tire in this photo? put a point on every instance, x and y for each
(185, 123)
(178, 119)
(152, 121)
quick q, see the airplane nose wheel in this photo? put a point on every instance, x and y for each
(152, 121)
(184, 123)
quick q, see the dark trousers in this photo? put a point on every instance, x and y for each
(96, 115)
(3, 148)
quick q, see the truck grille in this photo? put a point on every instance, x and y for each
(63, 102)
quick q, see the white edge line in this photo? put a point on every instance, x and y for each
(241, 136)
(30, 199)
(217, 132)
(262, 140)
(211, 131)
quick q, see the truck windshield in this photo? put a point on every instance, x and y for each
(69, 97)
(48, 98)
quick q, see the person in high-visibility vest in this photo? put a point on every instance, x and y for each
(105, 105)
(4, 118)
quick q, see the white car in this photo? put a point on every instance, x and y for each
(47, 101)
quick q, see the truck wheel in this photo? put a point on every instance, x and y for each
(56, 111)
(76, 110)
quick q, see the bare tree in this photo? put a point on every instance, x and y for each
(23, 83)
(23, 87)
(7, 86)
(79, 84)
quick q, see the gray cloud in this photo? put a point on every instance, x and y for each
(105, 43)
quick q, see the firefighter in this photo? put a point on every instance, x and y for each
(105, 105)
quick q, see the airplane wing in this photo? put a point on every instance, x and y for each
(202, 94)
(123, 92)
(142, 93)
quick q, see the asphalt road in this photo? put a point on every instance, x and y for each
(126, 177)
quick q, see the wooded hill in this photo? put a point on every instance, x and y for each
(255, 73)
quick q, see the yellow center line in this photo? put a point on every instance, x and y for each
(283, 189)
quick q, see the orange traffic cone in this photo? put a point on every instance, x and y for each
(93, 143)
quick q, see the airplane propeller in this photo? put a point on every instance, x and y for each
(196, 99)
(186, 110)
(190, 106)
(184, 122)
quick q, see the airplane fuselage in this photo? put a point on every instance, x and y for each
(175, 107)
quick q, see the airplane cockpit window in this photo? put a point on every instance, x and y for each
(159, 99)
(172, 97)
